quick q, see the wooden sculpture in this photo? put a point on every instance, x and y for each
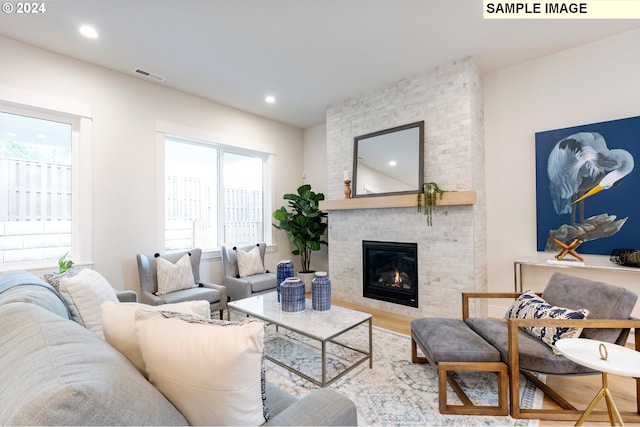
(568, 249)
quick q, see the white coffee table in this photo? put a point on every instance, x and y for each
(619, 361)
(324, 327)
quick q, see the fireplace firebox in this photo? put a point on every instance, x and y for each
(390, 272)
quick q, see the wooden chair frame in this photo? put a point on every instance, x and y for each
(567, 411)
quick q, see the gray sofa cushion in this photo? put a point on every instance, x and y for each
(322, 407)
(534, 354)
(261, 282)
(450, 340)
(277, 399)
(604, 301)
(192, 294)
(55, 372)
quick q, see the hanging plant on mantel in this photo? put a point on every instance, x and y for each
(427, 199)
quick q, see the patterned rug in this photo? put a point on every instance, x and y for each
(395, 392)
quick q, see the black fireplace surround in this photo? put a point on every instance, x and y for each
(390, 272)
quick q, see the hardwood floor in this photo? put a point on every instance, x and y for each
(578, 390)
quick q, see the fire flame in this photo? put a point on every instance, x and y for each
(396, 279)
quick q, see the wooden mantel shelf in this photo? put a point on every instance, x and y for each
(449, 198)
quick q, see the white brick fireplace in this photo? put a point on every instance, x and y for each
(451, 253)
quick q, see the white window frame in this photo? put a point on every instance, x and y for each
(17, 101)
(227, 144)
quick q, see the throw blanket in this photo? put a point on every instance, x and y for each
(11, 279)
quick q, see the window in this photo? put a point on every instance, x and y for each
(36, 186)
(214, 195)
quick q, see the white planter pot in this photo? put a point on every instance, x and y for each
(306, 279)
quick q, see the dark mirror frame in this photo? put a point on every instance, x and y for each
(418, 152)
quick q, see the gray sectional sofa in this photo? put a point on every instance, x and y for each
(55, 372)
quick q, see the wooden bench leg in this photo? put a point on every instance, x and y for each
(467, 407)
(414, 353)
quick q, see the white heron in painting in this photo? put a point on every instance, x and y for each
(582, 165)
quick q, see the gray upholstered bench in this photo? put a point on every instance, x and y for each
(453, 346)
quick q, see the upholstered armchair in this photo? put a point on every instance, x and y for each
(609, 307)
(245, 285)
(216, 295)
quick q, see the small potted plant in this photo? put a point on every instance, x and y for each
(304, 224)
(64, 264)
(427, 199)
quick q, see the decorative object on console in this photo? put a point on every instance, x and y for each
(427, 199)
(304, 223)
(568, 249)
(284, 269)
(321, 292)
(292, 295)
(626, 257)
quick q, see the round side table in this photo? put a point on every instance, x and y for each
(608, 359)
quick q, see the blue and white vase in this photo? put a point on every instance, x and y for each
(284, 269)
(292, 295)
(321, 292)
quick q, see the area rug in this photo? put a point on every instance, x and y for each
(395, 392)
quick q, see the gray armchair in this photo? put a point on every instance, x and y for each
(215, 294)
(239, 288)
(609, 306)
(127, 296)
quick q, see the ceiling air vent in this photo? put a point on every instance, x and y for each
(149, 75)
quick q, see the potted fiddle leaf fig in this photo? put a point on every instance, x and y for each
(304, 223)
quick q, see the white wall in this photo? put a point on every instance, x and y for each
(315, 174)
(125, 112)
(592, 83)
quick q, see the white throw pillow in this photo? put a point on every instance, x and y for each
(84, 293)
(119, 324)
(249, 263)
(174, 277)
(211, 370)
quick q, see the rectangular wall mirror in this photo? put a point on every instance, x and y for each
(389, 161)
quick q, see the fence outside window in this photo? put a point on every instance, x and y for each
(191, 215)
(36, 210)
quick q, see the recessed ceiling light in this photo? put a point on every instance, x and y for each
(392, 163)
(88, 31)
(270, 99)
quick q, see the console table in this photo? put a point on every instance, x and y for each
(548, 260)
